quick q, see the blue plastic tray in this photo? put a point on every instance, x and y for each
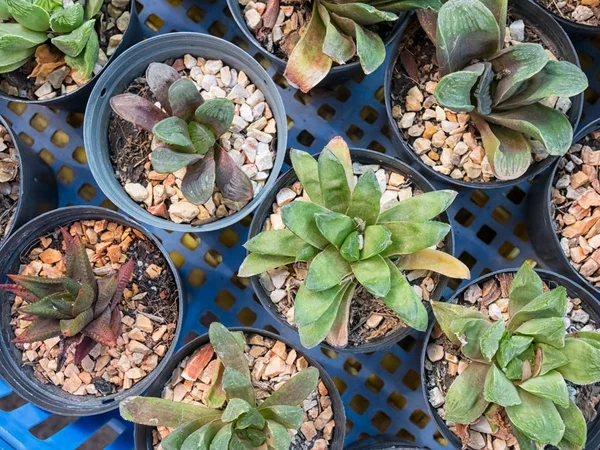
(381, 390)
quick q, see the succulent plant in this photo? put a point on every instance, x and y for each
(349, 240)
(79, 307)
(337, 32)
(185, 132)
(244, 422)
(521, 365)
(27, 24)
(503, 89)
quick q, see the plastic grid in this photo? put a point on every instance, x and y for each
(381, 390)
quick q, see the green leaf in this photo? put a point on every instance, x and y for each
(549, 304)
(454, 90)
(499, 9)
(469, 331)
(255, 264)
(200, 439)
(338, 46)
(4, 14)
(514, 369)
(165, 160)
(410, 237)
(361, 13)
(404, 301)
(85, 300)
(288, 416)
(300, 218)
(446, 313)
(511, 347)
(340, 149)
(551, 386)
(552, 358)
(228, 350)
(39, 286)
(199, 180)
(396, 6)
(591, 337)
(524, 441)
(584, 362)
(419, 208)
(12, 60)
(222, 438)
(376, 239)
(537, 418)
(85, 62)
(234, 409)
(525, 287)
(314, 333)
(307, 253)
(71, 327)
(465, 402)
(490, 340)
(14, 36)
(483, 91)
(92, 8)
(184, 99)
(335, 227)
(374, 275)
(338, 333)
(6, 68)
(309, 305)
(157, 411)
(549, 331)
(39, 330)
(72, 44)
(366, 197)
(466, 30)
(216, 396)
(250, 419)
(65, 20)
(174, 131)
(251, 436)
(237, 385)
(216, 114)
(369, 48)
(278, 437)
(307, 171)
(175, 439)
(350, 249)
(31, 16)
(295, 390)
(499, 389)
(48, 308)
(276, 242)
(575, 424)
(436, 261)
(334, 186)
(327, 270)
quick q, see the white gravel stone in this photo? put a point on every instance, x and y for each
(136, 191)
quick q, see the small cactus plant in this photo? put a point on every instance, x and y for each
(521, 365)
(79, 307)
(244, 422)
(348, 240)
(185, 132)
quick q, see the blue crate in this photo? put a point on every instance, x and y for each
(381, 390)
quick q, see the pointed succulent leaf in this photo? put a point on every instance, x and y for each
(233, 183)
(28, 14)
(276, 242)
(537, 418)
(202, 137)
(49, 308)
(550, 330)
(411, 237)
(307, 171)
(184, 98)
(85, 62)
(137, 110)
(465, 402)
(228, 350)
(307, 253)
(123, 277)
(338, 333)
(175, 439)
(39, 330)
(404, 301)
(39, 286)
(15, 289)
(490, 340)
(234, 409)
(525, 287)
(369, 48)
(446, 313)
(217, 114)
(309, 305)
(165, 160)
(216, 396)
(12, 60)
(335, 227)
(160, 77)
(92, 7)
(255, 263)
(591, 337)
(334, 186)
(71, 327)
(83, 349)
(77, 262)
(549, 304)
(397, 6)
(340, 149)
(436, 261)
(584, 362)
(469, 331)
(374, 275)
(365, 202)
(466, 30)
(157, 411)
(299, 217)
(65, 20)
(338, 46)
(4, 14)
(514, 369)
(314, 333)
(350, 249)
(511, 347)
(14, 36)
(361, 13)
(419, 208)
(499, 389)
(483, 90)
(72, 44)
(237, 385)
(198, 182)
(454, 90)
(376, 239)
(250, 419)
(85, 300)
(327, 270)
(575, 424)
(100, 330)
(278, 437)
(222, 438)
(552, 358)
(174, 131)
(551, 386)
(524, 441)
(288, 416)
(295, 390)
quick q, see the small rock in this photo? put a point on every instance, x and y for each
(136, 191)
(435, 352)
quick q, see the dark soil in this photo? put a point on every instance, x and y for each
(8, 206)
(567, 10)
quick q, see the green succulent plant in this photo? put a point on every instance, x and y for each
(187, 131)
(27, 24)
(503, 89)
(244, 422)
(349, 240)
(337, 32)
(522, 365)
(78, 307)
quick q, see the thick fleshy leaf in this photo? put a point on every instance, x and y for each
(217, 114)
(4, 14)
(517, 64)
(335, 227)
(49, 308)
(255, 264)
(77, 262)
(83, 349)
(591, 337)
(72, 44)
(374, 275)
(216, 396)
(85, 62)
(538, 418)
(397, 6)
(65, 20)
(251, 436)
(361, 13)
(376, 239)
(288, 416)
(499, 9)
(250, 419)
(235, 408)
(419, 208)
(157, 411)
(490, 340)
(278, 437)
(165, 160)
(276, 242)
(366, 197)
(176, 438)
(202, 137)
(12, 60)
(300, 218)
(550, 330)
(314, 333)
(584, 362)
(575, 424)
(411, 237)
(160, 77)
(327, 270)
(14, 36)
(404, 301)
(551, 386)
(469, 331)
(511, 347)
(552, 358)
(92, 7)
(334, 186)
(184, 98)
(435, 260)
(340, 149)
(338, 334)
(295, 390)
(307, 171)
(499, 389)
(124, 276)
(222, 438)
(466, 30)
(338, 46)
(557, 78)
(525, 287)
(350, 249)
(454, 90)
(547, 125)
(100, 329)
(15, 289)
(465, 402)
(228, 350)
(137, 110)
(446, 313)
(369, 48)
(550, 304)
(199, 180)
(71, 327)
(308, 65)
(28, 14)
(39, 330)
(237, 385)
(233, 183)
(174, 131)
(309, 305)
(84, 300)
(483, 90)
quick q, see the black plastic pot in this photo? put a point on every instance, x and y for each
(570, 26)
(132, 64)
(364, 157)
(143, 433)
(77, 100)
(592, 306)
(338, 73)
(550, 32)
(383, 443)
(19, 377)
(38, 193)
(541, 225)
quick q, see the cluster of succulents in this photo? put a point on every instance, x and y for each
(25, 25)
(185, 132)
(236, 420)
(522, 365)
(348, 240)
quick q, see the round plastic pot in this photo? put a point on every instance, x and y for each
(132, 64)
(143, 433)
(571, 26)
(20, 377)
(37, 186)
(541, 225)
(574, 290)
(338, 73)
(77, 100)
(531, 13)
(383, 443)
(364, 157)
